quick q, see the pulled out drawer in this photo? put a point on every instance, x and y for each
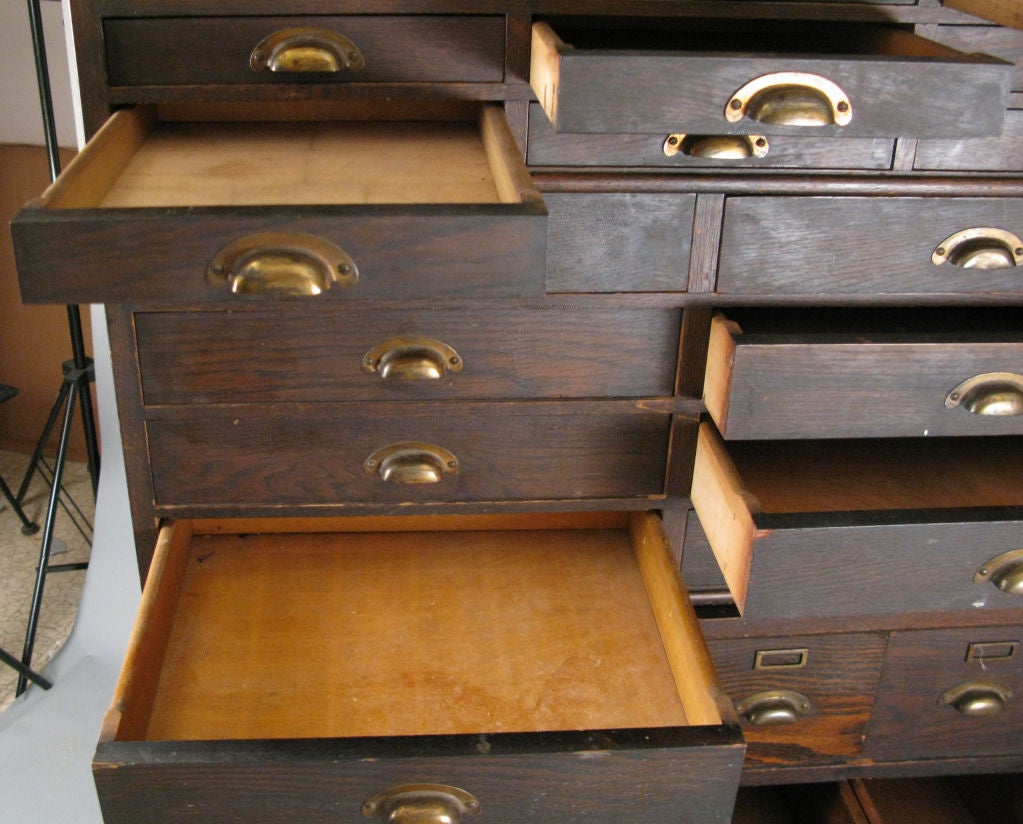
(834, 374)
(212, 459)
(862, 247)
(859, 527)
(337, 354)
(189, 211)
(763, 76)
(211, 50)
(949, 693)
(801, 699)
(534, 668)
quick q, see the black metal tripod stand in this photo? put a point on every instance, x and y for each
(78, 374)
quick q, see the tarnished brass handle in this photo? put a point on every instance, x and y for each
(990, 393)
(790, 99)
(411, 359)
(774, 707)
(716, 146)
(280, 263)
(980, 247)
(421, 804)
(1005, 571)
(411, 462)
(977, 698)
(302, 50)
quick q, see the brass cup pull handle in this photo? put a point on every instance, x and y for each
(411, 359)
(790, 99)
(774, 707)
(977, 698)
(421, 804)
(980, 247)
(281, 264)
(412, 462)
(1005, 571)
(716, 146)
(301, 50)
(992, 394)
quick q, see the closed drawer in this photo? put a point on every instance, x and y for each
(1002, 42)
(621, 241)
(981, 154)
(949, 693)
(323, 454)
(547, 147)
(203, 211)
(335, 354)
(149, 51)
(529, 669)
(868, 246)
(801, 699)
(824, 374)
(816, 528)
(760, 76)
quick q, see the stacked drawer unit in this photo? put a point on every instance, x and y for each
(415, 427)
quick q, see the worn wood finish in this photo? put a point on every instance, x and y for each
(998, 41)
(989, 154)
(1006, 12)
(908, 720)
(839, 675)
(147, 51)
(232, 580)
(589, 79)
(313, 455)
(803, 529)
(766, 385)
(623, 242)
(793, 246)
(270, 356)
(547, 147)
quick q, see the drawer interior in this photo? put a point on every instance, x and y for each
(400, 626)
(145, 157)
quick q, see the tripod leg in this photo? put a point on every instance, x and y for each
(21, 669)
(44, 550)
(27, 527)
(51, 421)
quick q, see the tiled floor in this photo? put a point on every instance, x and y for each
(19, 557)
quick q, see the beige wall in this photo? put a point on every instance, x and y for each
(34, 340)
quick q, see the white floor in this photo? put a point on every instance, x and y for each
(47, 738)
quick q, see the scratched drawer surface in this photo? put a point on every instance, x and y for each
(878, 373)
(210, 459)
(232, 50)
(857, 527)
(680, 150)
(859, 248)
(950, 693)
(335, 354)
(193, 211)
(762, 76)
(394, 664)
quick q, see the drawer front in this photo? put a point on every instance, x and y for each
(276, 456)
(1002, 42)
(865, 81)
(764, 385)
(548, 147)
(801, 699)
(982, 154)
(862, 247)
(574, 720)
(862, 527)
(949, 693)
(196, 212)
(619, 242)
(345, 48)
(265, 356)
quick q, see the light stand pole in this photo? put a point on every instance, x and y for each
(78, 373)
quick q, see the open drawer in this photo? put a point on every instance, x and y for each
(764, 77)
(526, 668)
(882, 373)
(858, 527)
(163, 206)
